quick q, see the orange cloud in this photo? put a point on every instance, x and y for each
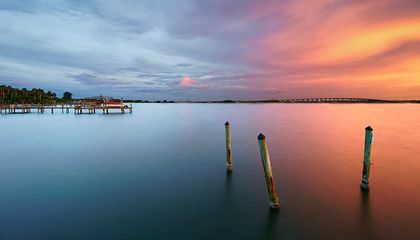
(350, 46)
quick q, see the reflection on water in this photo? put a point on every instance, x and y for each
(365, 215)
(160, 173)
(228, 189)
(271, 224)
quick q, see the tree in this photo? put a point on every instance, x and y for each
(14, 95)
(67, 96)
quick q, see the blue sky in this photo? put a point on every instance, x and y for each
(135, 49)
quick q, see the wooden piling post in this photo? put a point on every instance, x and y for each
(265, 158)
(228, 147)
(364, 185)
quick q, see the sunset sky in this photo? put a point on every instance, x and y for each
(213, 49)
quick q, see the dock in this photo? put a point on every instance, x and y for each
(77, 108)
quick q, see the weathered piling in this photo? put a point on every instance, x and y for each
(228, 147)
(364, 185)
(265, 158)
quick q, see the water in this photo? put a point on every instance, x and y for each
(159, 173)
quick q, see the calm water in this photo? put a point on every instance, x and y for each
(159, 173)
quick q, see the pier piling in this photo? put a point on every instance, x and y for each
(265, 158)
(364, 185)
(228, 148)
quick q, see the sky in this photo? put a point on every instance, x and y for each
(213, 49)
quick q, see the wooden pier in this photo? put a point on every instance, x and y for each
(78, 108)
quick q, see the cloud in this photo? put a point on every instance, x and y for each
(187, 82)
(243, 48)
(183, 65)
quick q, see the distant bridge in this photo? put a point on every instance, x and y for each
(334, 100)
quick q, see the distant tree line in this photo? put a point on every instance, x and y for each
(10, 95)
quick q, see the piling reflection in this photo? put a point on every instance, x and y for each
(228, 188)
(271, 224)
(365, 213)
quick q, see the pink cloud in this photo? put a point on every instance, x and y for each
(187, 82)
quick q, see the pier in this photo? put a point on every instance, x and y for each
(77, 108)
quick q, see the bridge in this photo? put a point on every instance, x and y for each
(334, 100)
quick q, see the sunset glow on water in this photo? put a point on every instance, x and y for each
(160, 172)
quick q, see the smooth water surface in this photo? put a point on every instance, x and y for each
(159, 173)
